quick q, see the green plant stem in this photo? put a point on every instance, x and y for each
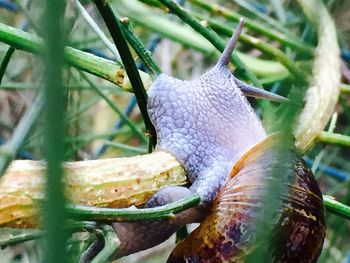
(12, 236)
(53, 211)
(27, 16)
(114, 26)
(263, 17)
(126, 147)
(9, 151)
(108, 69)
(5, 61)
(137, 45)
(140, 50)
(336, 207)
(97, 30)
(19, 86)
(110, 103)
(211, 36)
(274, 78)
(273, 34)
(183, 34)
(279, 10)
(263, 46)
(334, 138)
(111, 244)
(130, 214)
(97, 66)
(345, 88)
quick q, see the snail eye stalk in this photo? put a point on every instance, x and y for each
(251, 91)
(225, 56)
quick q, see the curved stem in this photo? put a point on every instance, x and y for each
(132, 214)
(111, 244)
(5, 61)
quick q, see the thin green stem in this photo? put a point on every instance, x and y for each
(9, 151)
(53, 211)
(258, 44)
(140, 50)
(263, 17)
(274, 78)
(114, 26)
(12, 236)
(92, 64)
(97, 30)
(111, 244)
(110, 103)
(345, 88)
(5, 61)
(334, 138)
(279, 10)
(126, 147)
(91, 137)
(211, 36)
(336, 207)
(129, 214)
(110, 70)
(168, 28)
(76, 87)
(251, 24)
(27, 16)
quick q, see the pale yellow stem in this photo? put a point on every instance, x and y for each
(116, 182)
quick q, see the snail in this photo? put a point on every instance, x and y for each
(210, 127)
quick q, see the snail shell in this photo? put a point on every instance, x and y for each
(227, 233)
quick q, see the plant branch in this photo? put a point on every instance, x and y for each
(9, 150)
(322, 95)
(140, 50)
(114, 182)
(111, 244)
(53, 212)
(133, 214)
(258, 44)
(5, 61)
(97, 30)
(334, 138)
(211, 36)
(271, 33)
(95, 65)
(110, 103)
(263, 17)
(114, 26)
(336, 207)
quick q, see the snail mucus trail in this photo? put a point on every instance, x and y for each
(210, 127)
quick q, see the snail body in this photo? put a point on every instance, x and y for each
(208, 125)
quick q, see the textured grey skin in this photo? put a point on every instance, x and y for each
(206, 123)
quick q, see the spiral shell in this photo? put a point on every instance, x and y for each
(226, 234)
